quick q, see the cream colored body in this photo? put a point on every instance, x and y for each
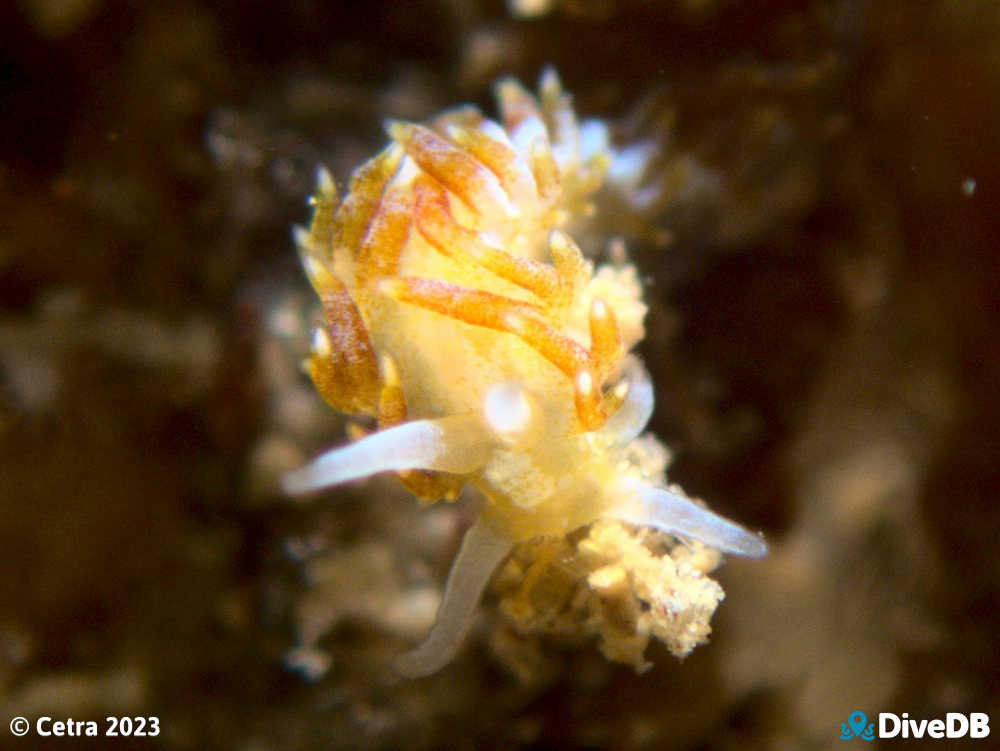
(469, 324)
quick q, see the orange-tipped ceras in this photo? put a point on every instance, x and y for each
(463, 317)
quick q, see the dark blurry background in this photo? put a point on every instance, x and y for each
(820, 246)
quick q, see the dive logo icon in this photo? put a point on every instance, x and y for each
(857, 726)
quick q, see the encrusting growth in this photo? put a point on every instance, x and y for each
(462, 316)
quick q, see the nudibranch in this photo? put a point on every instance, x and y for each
(463, 318)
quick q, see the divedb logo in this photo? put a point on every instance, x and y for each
(954, 725)
(857, 726)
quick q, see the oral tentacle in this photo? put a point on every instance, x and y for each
(671, 512)
(483, 549)
(459, 444)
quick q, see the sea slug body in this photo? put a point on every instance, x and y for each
(462, 316)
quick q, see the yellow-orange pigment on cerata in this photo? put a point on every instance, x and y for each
(463, 317)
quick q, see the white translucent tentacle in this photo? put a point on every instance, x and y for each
(457, 444)
(630, 420)
(672, 512)
(482, 550)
